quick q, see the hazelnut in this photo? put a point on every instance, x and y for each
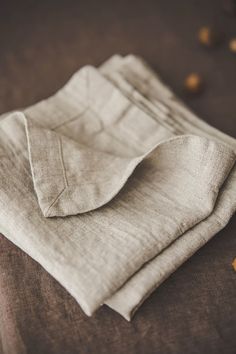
(208, 36)
(193, 83)
(232, 45)
(234, 264)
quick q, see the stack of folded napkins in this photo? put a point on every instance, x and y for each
(112, 183)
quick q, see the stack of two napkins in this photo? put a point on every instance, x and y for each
(112, 183)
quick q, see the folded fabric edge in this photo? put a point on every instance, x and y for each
(49, 172)
(181, 250)
(161, 91)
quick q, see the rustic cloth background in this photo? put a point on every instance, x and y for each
(42, 44)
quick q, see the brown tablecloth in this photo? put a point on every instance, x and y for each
(41, 45)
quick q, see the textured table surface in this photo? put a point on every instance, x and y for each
(41, 45)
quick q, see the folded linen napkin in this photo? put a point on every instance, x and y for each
(112, 183)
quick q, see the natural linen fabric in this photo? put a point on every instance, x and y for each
(112, 183)
(125, 72)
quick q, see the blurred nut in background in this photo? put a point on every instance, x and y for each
(193, 83)
(232, 45)
(234, 264)
(209, 36)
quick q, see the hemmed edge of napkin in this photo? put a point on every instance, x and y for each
(90, 194)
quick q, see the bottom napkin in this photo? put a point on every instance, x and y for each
(111, 183)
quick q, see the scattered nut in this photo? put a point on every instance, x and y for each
(209, 36)
(232, 45)
(234, 264)
(193, 83)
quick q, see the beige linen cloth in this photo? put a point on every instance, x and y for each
(112, 183)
